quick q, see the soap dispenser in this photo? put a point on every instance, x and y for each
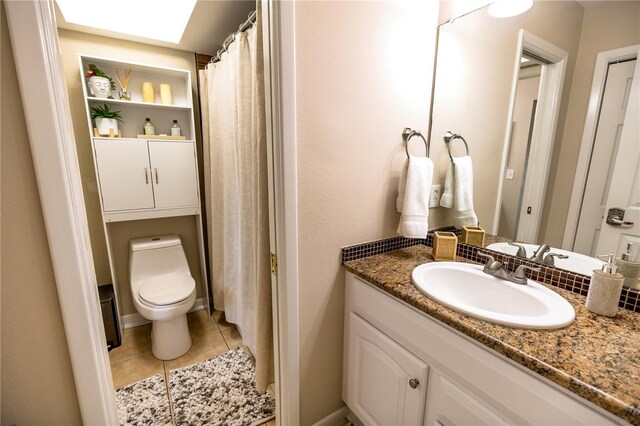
(605, 288)
(629, 267)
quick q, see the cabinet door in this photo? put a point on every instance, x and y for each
(175, 181)
(379, 378)
(448, 404)
(124, 174)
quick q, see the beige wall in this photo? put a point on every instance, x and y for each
(363, 74)
(476, 59)
(73, 43)
(606, 26)
(37, 382)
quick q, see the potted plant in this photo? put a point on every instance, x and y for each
(106, 119)
(100, 84)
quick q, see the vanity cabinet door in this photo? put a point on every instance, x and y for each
(448, 404)
(386, 383)
(175, 180)
(124, 174)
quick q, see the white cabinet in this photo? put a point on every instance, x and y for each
(123, 173)
(387, 343)
(137, 174)
(175, 180)
(387, 384)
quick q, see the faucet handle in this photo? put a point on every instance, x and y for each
(520, 271)
(492, 263)
(490, 259)
(549, 259)
(522, 252)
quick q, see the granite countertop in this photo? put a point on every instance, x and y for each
(597, 358)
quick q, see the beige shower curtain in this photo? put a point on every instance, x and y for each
(235, 147)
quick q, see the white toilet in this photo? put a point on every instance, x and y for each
(163, 291)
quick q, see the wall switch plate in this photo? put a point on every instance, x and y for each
(509, 174)
(434, 198)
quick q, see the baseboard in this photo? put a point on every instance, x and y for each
(135, 320)
(338, 417)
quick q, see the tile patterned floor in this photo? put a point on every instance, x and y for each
(211, 336)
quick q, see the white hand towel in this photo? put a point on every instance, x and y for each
(402, 185)
(447, 195)
(414, 221)
(463, 213)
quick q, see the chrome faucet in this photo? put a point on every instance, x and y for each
(496, 269)
(538, 256)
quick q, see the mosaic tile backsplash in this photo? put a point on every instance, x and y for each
(577, 283)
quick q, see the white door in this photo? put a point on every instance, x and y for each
(124, 174)
(387, 384)
(624, 192)
(175, 180)
(448, 404)
(606, 147)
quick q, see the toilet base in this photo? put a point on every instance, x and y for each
(170, 339)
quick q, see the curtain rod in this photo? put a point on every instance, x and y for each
(232, 37)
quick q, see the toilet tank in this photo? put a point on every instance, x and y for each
(156, 256)
(151, 243)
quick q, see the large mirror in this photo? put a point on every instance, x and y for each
(548, 104)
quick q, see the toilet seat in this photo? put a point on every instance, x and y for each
(166, 289)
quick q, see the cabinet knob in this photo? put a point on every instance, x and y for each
(414, 383)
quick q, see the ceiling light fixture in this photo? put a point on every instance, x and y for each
(163, 20)
(509, 8)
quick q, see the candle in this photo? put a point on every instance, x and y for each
(147, 92)
(165, 94)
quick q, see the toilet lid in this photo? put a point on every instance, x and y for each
(166, 289)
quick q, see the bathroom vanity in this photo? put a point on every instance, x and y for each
(409, 360)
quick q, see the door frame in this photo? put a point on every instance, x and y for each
(543, 136)
(35, 43)
(603, 59)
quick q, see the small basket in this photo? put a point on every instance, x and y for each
(444, 245)
(473, 235)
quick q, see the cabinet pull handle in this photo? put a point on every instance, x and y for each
(146, 176)
(156, 170)
(414, 383)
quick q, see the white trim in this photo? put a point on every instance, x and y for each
(281, 136)
(136, 320)
(35, 44)
(335, 418)
(543, 136)
(603, 59)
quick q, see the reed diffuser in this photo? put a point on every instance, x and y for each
(123, 79)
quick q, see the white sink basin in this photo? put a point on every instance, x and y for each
(576, 262)
(465, 288)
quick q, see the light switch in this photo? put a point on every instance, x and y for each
(509, 174)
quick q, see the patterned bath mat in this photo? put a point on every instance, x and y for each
(144, 403)
(219, 391)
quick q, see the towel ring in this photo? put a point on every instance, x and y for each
(449, 137)
(407, 134)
